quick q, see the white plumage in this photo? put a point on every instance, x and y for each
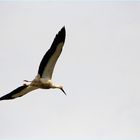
(45, 71)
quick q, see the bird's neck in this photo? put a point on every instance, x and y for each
(56, 86)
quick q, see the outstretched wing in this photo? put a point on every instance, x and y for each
(18, 92)
(48, 62)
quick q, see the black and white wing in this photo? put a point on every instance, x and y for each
(18, 92)
(48, 62)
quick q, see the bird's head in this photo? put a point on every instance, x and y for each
(59, 87)
(62, 89)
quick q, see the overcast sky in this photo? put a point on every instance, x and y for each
(99, 69)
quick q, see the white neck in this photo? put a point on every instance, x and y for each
(56, 86)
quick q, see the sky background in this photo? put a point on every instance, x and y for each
(99, 69)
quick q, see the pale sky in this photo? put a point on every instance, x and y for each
(99, 69)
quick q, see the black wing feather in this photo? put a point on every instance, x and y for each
(60, 37)
(11, 94)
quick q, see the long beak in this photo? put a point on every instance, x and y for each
(63, 91)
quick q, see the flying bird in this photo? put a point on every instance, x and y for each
(43, 79)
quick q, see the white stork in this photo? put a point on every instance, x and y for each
(45, 71)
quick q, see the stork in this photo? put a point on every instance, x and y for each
(43, 79)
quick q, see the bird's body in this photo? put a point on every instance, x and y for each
(45, 71)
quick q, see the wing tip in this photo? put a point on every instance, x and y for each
(9, 96)
(62, 34)
(63, 28)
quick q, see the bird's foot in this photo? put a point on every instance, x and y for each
(27, 81)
